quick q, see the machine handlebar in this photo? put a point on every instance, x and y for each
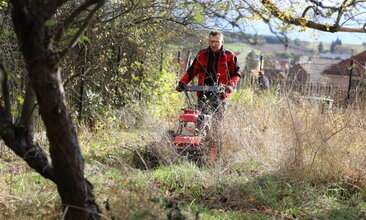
(203, 88)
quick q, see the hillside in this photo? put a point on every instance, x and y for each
(270, 44)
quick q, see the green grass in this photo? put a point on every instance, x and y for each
(237, 47)
(181, 189)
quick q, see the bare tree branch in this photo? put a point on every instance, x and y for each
(315, 9)
(82, 28)
(321, 5)
(64, 26)
(83, 74)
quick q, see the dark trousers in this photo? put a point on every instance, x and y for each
(212, 104)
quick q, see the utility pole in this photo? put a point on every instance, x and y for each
(261, 63)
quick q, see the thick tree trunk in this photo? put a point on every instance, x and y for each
(42, 64)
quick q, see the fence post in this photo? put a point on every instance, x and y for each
(349, 82)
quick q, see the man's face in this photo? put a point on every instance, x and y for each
(216, 42)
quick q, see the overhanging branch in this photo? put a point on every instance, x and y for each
(299, 21)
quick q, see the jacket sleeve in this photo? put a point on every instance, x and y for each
(234, 72)
(191, 72)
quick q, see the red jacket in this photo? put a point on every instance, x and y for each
(227, 68)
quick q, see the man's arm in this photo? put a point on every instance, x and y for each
(188, 76)
(191, 72)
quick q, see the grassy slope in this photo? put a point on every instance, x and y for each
(277, 162)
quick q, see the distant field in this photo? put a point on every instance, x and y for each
(238, 47)
(243, 49)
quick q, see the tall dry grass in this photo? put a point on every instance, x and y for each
(297, 137)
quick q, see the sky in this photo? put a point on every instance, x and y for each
(312, 35)
(320, 36)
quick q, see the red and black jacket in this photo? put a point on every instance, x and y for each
(227, 68)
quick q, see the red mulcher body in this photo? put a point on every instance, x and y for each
(192, 134)
(186, 135)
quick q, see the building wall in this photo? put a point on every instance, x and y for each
(316, 66)
(342, 81)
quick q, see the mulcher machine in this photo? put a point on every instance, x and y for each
(192, 136)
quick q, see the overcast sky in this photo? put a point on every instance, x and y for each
(311, 34)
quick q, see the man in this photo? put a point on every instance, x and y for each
(215, 66)
(263, 82)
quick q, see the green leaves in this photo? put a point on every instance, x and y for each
(3, 34)
(50, 22)
(198, 17)
(199, 6)
(351, 67)
(3, 4)
(84, 39)
(330, 12)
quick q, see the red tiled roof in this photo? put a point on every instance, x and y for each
(342, 68)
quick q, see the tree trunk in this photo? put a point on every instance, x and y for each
(43, 67)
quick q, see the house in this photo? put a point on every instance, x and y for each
(316, 66)
(282, 65)
(340, 73)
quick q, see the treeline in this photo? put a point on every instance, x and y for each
(232, 37)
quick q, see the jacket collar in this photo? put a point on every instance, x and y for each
(220, 51)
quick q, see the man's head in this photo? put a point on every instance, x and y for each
(216, 39)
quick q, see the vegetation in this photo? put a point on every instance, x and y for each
(85, 86)
(281, 159)
(114, 66)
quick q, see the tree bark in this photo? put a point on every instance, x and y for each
(42, 63)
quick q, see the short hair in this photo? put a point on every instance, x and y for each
(215, 33)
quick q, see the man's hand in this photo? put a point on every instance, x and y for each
(181, 86)
(228, 90)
